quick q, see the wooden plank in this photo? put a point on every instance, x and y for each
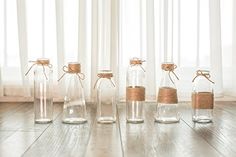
(221, 134)
(63, 139)
(22, 119)
(17, 143)
(227, 106)
(104, 141)
(5, 134)
(154, 140)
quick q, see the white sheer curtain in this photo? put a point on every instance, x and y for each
(106, 34)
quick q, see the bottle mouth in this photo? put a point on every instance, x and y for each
(203, 71)
(136, 61)
(74, 67)
(168, 66)
(105, 74)
(43, 61)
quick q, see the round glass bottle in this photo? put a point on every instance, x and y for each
(106, 97)
(74, 109)
(135, 91)
(43, 91)
(202, 97)
(167, 108)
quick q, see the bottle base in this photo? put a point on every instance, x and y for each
(166, 120)
(74, 120)
(43, 121)
(135, 121)
(106, 120)
(202, 119)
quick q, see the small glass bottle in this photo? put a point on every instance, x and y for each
(167, 108)
(74, 109)
(43, 91)
(202, 97)
(106, 97)
(135, 91)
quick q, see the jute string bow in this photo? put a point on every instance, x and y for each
(42, 61)
(104, 74)
(137, 61)
(170, 67)
(73, 68)
(204, 73)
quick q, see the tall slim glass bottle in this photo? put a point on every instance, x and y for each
(106, 97)
(74, 109)
(167, 108)
(135, 91)
(43, 91)
(202, 97)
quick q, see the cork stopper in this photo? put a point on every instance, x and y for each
(136, 61)
(74, 67)
(105, 74)
(168, 66)
(43, 61)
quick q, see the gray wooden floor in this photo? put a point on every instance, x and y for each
(19, 136)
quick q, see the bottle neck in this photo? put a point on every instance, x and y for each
(167, 79)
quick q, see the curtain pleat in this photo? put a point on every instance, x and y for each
(215, 45)
(110, 32)
(23, 45)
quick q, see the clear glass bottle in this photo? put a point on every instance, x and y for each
(106, 97)
(202, 97)
(167, 108)
(135, 91)
(43, 91)
(74, 109)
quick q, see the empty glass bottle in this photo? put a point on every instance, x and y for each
(43, 91)
(74, 109)
(167, 108)
(202, 97)
(106, 97)
(135, 91)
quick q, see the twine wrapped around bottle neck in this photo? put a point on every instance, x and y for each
(40, 61)
(137, 61)
(204, 73)
(104, 74)
(73, 68)
(170, 67)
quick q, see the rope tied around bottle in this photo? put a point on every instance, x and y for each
(73, 68)
(104, 74)
(204, 73)
(43, 62)
(170, 67)
(136, 61)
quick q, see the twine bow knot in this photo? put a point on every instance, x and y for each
(137, 61)
(204, 73)
(73, 69)
(104, 74)
(170, 68)
(43, 63)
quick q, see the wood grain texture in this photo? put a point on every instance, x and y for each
(63, 139)
(104, 141)
(154, 139)
(221, 134)
(19, 136)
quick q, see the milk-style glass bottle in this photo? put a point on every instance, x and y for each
(43, 90)
(167, 108)
(74, 109)
(135, 91)
(202, 97)
(106, 97)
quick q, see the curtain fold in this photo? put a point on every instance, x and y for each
(23, 45)
(215, 45)
(105, 34)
